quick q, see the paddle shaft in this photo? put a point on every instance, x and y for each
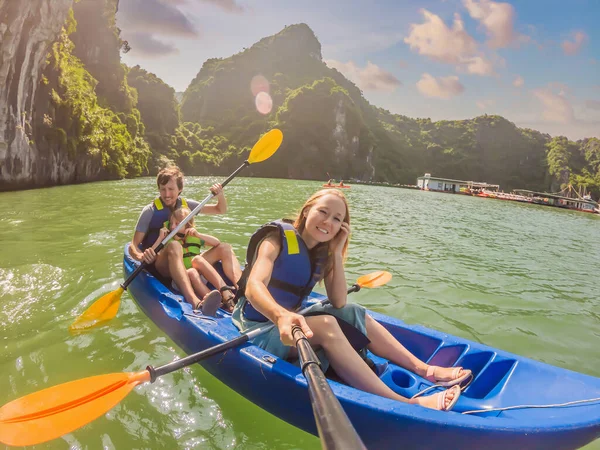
(181, 224)
(245, 337)
(334, 426)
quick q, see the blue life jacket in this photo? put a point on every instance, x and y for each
(294, 274)
(160, 214)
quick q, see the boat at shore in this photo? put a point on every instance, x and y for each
(502, 383)
(331, 184)
(336, 186)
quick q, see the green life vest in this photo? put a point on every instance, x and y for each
(191, 247)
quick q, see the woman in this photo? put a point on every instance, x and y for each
(284, 263)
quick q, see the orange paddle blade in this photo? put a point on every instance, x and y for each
(374, 279)
(103, 309)
(58, 410)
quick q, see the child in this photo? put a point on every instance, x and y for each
(285, 261)
(192, 243)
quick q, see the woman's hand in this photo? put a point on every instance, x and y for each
(216, 189)
(336, 245)
(286, 322)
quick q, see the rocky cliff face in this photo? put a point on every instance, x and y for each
(27, 30)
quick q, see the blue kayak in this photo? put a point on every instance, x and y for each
(501, 380)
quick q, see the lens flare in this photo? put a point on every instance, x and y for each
(259, 84)
(263, 102)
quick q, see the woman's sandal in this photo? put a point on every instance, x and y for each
(468, 375)
(441, 403)
(441, 398)
(228, 304)
(210, 303)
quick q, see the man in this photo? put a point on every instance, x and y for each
(169, 262)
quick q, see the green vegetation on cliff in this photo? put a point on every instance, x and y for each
(327, 123)
(78, 124)
(330, 127)
(158, 108)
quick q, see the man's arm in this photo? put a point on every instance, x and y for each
(221, 206)
(134, 251)
(141, 228)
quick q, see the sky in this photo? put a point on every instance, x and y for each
(535, 62)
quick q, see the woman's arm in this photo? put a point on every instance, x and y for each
(260, 297)
(335, 281)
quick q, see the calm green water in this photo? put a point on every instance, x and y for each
(518, 277)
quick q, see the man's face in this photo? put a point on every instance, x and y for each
(169, 193)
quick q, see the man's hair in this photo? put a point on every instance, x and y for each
(168, 173)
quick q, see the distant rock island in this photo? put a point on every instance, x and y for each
(70, 112)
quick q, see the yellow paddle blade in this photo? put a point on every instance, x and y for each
(58, 410)
(266, 146)
(374, 279)
(103, 309)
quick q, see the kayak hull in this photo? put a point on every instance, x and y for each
(501, 379)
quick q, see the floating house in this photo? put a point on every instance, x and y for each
(585, 203)
(429, 183)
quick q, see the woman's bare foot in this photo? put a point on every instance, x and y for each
(443, 401)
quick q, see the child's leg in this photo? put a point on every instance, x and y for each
(199, 287)
(169, 263)
(206, 269)
(224, 253)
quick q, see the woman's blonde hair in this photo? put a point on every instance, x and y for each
(320, 249)
(181, 213)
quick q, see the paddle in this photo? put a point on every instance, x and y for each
(58, 410)
(334, 426)
(106, 307)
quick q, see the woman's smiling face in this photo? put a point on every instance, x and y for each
(324, 219)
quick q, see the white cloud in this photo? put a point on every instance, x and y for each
(518, 81)
(572, 48)
(368, 78)
(497, 19)
(557, 107)
(479, 66)
(351, 41)
(147, 45)
(485, 104)
(441, 87)
(448, 45)
(228, 5)
(439, 42)
(593, 104)
(156, 17)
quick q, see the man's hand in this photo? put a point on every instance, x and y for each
(216, 189)
(149, 256)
